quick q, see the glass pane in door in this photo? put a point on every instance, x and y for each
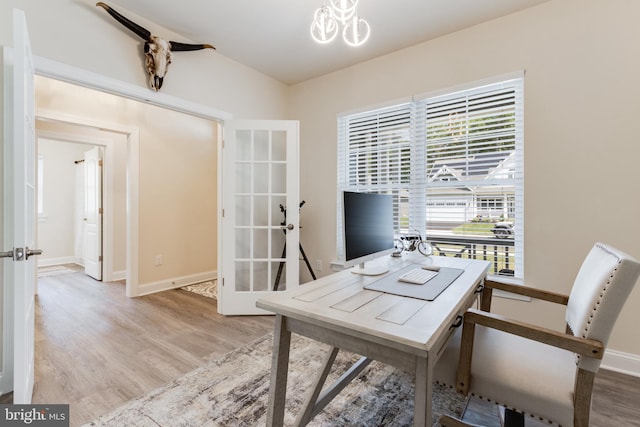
(259, 197)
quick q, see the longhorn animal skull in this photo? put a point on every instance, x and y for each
(157, 51)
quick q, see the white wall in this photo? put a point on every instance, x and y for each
(56, 227)
(77, 33)
(581, 101)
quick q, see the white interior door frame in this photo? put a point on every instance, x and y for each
(108, 146)
(133, 167)
(56, 70)
(59, 71)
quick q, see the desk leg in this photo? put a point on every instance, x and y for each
(308, 409)
(279, 368)
(423, 394)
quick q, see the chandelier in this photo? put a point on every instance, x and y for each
(329, 17)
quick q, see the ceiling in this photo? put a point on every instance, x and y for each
(273, 37)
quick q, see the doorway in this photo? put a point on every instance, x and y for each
(77, 76)
(178, 172)
(74, 137)
(66, 221)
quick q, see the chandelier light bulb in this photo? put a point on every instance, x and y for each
(344, 10)
(324, 27)
(327, 19)
(344, 5)
(356, 32)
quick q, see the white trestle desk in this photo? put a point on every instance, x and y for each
(405, 332)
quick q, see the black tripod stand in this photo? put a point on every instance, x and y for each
(284, 251)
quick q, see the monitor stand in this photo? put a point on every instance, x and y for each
(370, 270)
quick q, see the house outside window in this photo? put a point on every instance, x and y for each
(454, 164)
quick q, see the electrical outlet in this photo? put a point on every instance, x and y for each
(319, 265)
(158, 260)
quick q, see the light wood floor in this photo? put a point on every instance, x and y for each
(96, 349)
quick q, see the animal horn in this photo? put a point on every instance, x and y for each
(181, 47)
(143, 33)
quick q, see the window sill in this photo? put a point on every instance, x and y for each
(336, 265)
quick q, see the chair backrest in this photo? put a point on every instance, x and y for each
(601, 288)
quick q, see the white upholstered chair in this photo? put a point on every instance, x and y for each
(537, 371)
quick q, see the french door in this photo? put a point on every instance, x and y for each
(19, 218)
(259, 249)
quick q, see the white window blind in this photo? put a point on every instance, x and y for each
(375, 156)
(454, 165)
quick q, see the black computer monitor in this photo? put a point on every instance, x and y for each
(368, 231)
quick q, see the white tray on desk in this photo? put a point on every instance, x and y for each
(428, 291)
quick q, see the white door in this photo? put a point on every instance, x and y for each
(259, 251)
(20, 217)
(93, 213)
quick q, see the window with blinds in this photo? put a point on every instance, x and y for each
(374, 155)
(454, 164)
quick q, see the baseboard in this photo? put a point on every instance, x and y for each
(625, 363)
(119, 275)
(176, 282)
(48, 262)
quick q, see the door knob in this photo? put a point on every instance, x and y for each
(18, 254)
(7, 254)
(287, 227)
(30, 252)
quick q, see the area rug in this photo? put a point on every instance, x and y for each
(233, 390)
(207, 289)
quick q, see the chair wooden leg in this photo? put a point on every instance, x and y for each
(464, 361)
(485, 299)
(582, 398)
(449, 421)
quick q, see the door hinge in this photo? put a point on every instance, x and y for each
(222, 212)
(100, 258)
(99, 211)
(100, 163)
